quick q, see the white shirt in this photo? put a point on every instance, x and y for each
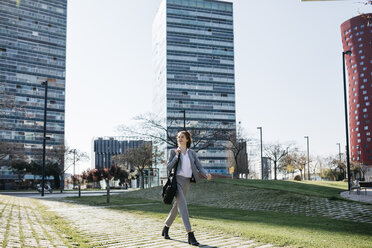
(185, 170)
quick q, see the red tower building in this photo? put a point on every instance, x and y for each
(357, 37)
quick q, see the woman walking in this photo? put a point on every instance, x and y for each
(187, 171)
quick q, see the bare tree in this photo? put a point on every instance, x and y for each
(300, 160)
(237, 146)
(287, 165)
(276, 152)
(9, 150)
(73, 156)
(20, 167)
(319, 161)
(139, 159)
(338, 164)
(149, 126)
(63, 158)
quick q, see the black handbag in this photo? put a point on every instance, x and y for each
(170, 188)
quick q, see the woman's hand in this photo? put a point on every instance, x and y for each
(177, 151)
(209, 176)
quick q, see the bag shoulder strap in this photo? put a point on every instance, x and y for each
(174, 169)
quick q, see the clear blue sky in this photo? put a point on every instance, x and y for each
(288, 69)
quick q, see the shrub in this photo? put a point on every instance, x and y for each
(297, 178)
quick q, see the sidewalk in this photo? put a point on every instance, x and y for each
(111, 228)
(364, 196)
(24, 224)
(57, 194)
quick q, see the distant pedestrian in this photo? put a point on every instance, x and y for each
(187, 171)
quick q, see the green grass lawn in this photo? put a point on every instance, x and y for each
(283, 229)
(313, 188)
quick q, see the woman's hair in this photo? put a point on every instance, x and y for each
(188, 137)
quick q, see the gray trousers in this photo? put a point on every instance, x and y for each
(180, 204)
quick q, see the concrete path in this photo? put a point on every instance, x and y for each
(364, 195)
(23, 224)
(111, 228)
(57, 194)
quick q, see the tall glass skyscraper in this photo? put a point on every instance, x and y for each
(193, 51)
(32, 50)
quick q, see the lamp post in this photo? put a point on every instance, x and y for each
(73, 178)
(308, 159)
(339, 150)
(346, 121)
(339, 154)
(262, 169)
(45, 83)
(184, 119)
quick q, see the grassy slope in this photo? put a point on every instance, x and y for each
(266, 226)
(312, 188)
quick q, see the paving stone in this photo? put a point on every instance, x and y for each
(25, 228)
(106, 227)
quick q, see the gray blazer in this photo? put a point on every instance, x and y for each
(194, 161)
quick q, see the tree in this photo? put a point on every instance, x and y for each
(319, 161)
(106, 174)
(20, 167)
(10, 150)
(35, 169)
(73, 156)
(300, 161)
(149, 126)
(236, 146)
(56, 159)
(357, 168)
(338, 162)
(288, 164)
(94, 175)
(139, 159)
(276, 152)
(157, 155)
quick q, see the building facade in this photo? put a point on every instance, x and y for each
(32, 51)
(357, 37)
(193, 51)
(104, 148)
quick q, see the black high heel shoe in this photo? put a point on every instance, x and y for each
(165, 232)
(192, 239)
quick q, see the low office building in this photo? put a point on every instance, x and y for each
(105, 148)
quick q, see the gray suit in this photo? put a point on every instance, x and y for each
(194, 161)
(183, 184)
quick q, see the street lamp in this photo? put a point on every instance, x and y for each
(262, 169)
(339, 150)
(346, 121)
(184, 119)
(45, 83)
(308, 159)
(73, 178)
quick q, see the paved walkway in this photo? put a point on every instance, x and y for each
(23, 224)
(364, 196)
(112, 228)
(57, 194)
